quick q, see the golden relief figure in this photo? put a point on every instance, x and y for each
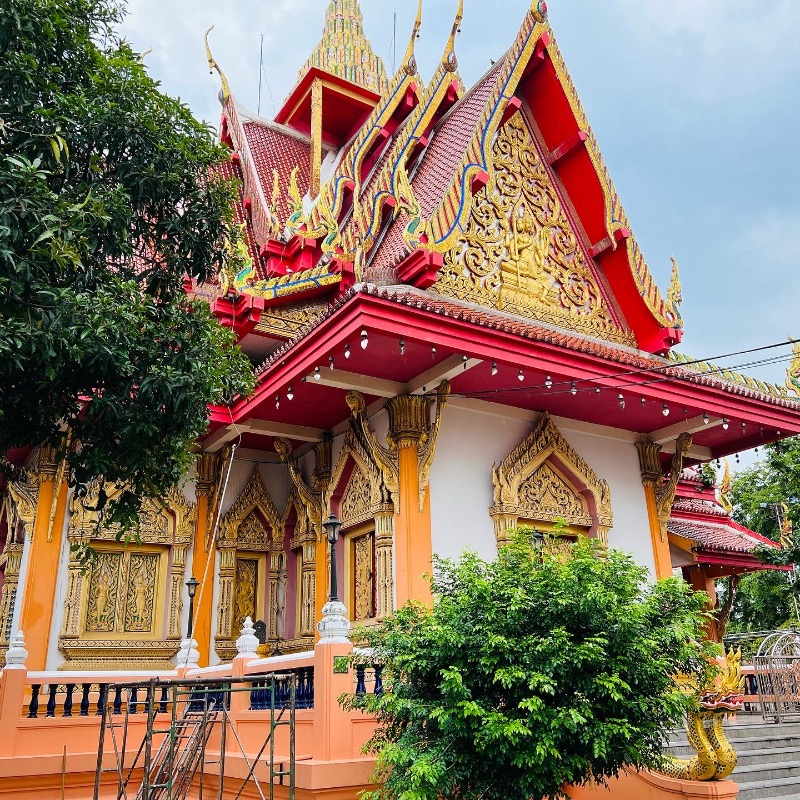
(103, 583)
(140, 595)
(519, 253)
(363, 571)
(244, 601)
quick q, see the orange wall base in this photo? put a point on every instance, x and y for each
(631, 785)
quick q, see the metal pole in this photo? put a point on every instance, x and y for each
(334, 589)
(191, 618)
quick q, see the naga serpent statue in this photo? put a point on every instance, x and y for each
(715, 758)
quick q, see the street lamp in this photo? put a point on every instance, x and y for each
(332, 526)
(191, 586)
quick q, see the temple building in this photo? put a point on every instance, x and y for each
(456, 335)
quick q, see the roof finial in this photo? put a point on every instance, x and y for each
(675, 292)
(225, 90)
(410, 60)
(539, 10)
(449, 60)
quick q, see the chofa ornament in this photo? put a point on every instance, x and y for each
(539, 9)
(715, 758)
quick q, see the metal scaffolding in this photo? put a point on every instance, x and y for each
(188, 730)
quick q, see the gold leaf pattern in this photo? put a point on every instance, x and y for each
(140, 595)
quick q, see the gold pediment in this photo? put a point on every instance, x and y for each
(519, 252)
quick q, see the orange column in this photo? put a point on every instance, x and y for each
(39, 596)
(652, 476)
(412, 531)
(323, 578)
(203, 553)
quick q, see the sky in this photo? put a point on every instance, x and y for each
(693, 102)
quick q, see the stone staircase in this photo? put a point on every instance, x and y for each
(769, 757)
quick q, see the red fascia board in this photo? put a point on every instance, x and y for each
(712, 558)
(294, 101)
(390, 317)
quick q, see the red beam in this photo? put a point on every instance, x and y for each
(566, 147)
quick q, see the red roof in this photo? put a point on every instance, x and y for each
(275, 147)
(720, 537)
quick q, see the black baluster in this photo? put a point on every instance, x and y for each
(87, 687)
(162, 706)
(51, 700)
(361, 685)
(300, 691)
(133, 695)
(261, 696)
(310, 693)
(33, 706)
(102, 696)
(68, 700)
(117, 706)
(148, 699)
(378, 678)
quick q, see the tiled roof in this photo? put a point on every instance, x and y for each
(696, 505)
(272, 148)
(497, 320)
(727, 537)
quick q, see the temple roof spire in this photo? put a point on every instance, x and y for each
(449, 59)
(344, 49)
(409, 59)
(225, 89)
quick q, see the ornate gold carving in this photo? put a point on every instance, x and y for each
(725, 489)
(409, 419)
(427, 446)
(311, 497)
(225, 90)
(356, 504)
(23, 497)
(363, 574)
(139, 605)
(519, 253)
(288, 322)
(253, 497)
(10, 561)
(316, 136)
(245, 594)
(384, 555)
(653, 476)
(793, 370)
(545, 479)
(47, 462)
(553, 497)
(118, 654)
(101, 610)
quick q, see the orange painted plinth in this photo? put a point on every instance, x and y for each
(632, 785)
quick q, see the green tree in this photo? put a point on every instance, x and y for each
(535, 671)
(110, 201)
(764, 600)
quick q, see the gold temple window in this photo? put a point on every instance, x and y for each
(544, 484)
(124, 610)
(360, 558)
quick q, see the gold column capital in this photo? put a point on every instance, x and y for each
(650, 462)
(409, 419)
(207, 466)
(48, 462)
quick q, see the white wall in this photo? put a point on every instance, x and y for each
(461, 480)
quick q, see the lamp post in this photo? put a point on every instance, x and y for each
(332, 526)
(191, 586)
(537, 539)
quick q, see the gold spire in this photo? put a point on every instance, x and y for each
(345, 51)
(225, 90)
(409, 59)
(449, 60)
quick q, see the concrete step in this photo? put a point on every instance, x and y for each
(682, 748)
(760, 790)
(750, 756)
(768, 771)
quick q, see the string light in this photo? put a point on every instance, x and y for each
(621, 401)
(317, 374)
(494, 368)
(433, 353)
(548, 382)
(597, 390)
(573, 388)
(718, 465)
(705, 418)
(737, 458)
(644, 402)
(347, 351)
(277, 401)
(364, 339)
(744, 427)
(330, 361)
(665, 410)
(464, 360)
(402, 347)
(520, 376)
(725, 423)
(289, 394)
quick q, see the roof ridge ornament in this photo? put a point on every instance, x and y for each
(449, 60)
(410, 59)
(539, 10)
(793, 370)
(225, 89)
(675, 292)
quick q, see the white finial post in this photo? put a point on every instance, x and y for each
(188, 656)
(247, 643)
(334, 627)
(16, 655)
